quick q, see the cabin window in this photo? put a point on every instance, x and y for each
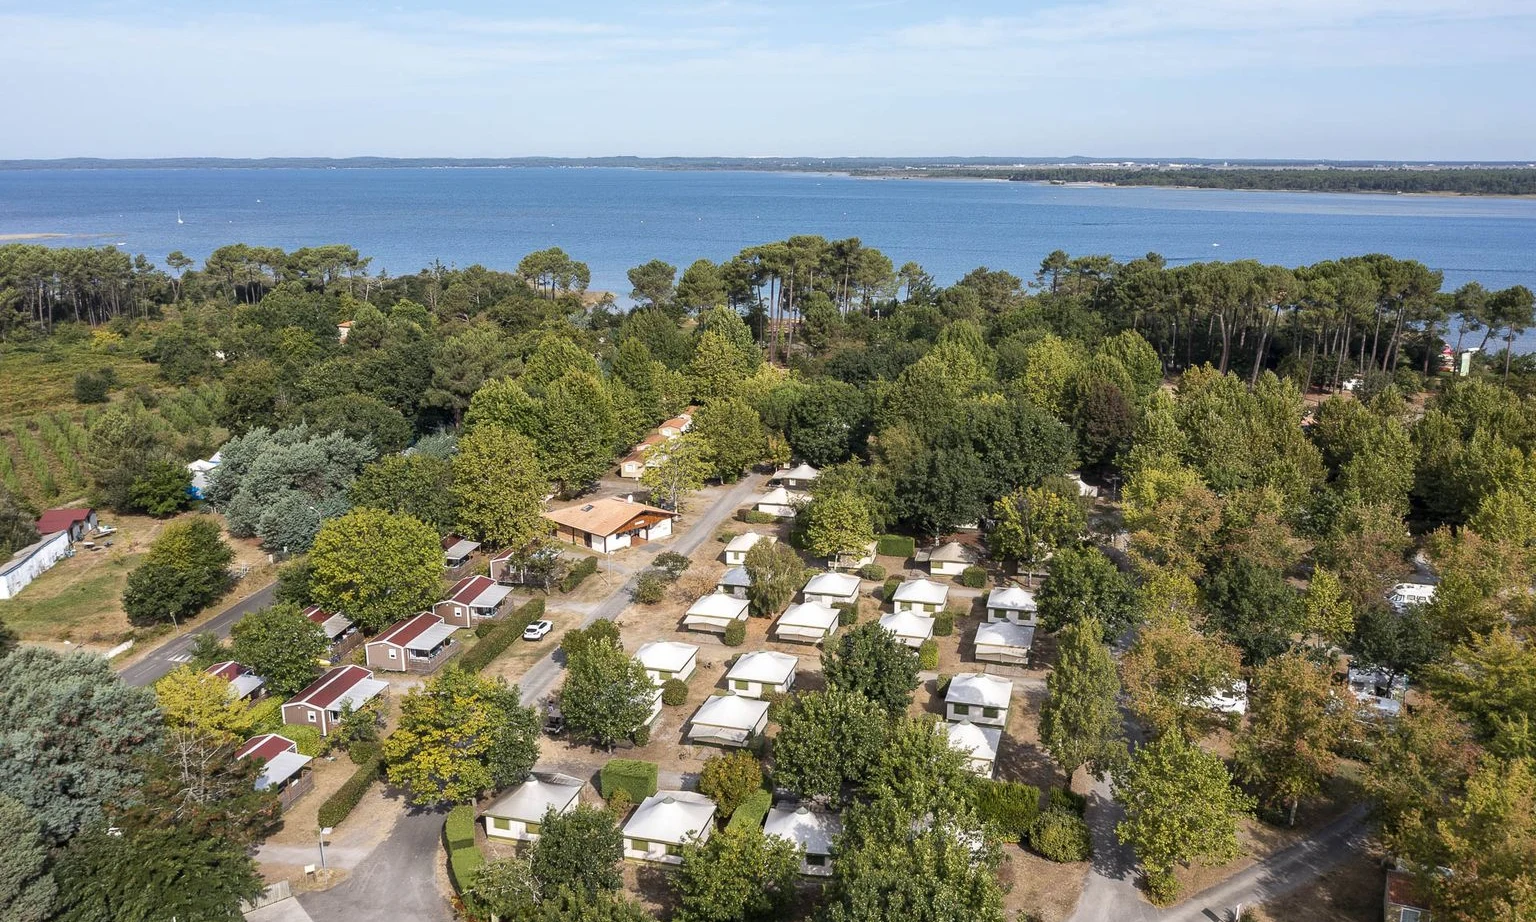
(1410, 915)
(742, 684)
(501, 822)
(961, 708)
(532, 828)
(391, 654)
(311, 716)
(674, 849)
(990, 712)
(638, 845)
(816, 861)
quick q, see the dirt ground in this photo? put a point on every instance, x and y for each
(1038, 889)
(1350, 892)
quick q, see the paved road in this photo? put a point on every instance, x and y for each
(397, 881)
(173, 652)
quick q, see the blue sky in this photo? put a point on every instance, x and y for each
(1399, 79)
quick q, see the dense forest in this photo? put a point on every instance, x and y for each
(1470, 181)
(1279, 446)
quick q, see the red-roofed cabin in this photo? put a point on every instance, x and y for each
(321, 703)
(78, 522)
(456, 550)
(283, 768)
(340, 632)
(1403, 902)
(244, 684)
(471, 600)
(419, 643)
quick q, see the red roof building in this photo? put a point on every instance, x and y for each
(418, 643)
(321, 703)
(76, 521)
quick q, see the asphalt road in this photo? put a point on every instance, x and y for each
(175, 651)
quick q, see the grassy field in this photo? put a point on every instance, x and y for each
(80, 599)
(44, 380)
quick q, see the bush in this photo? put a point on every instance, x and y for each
(1162, 887)
(578, 574)
(93, 386)
(364, 752)
(340, 804)
(484, 628)
(641, 735)
(928, 655)
(872, 572)
(674, 692)
(308, 739)
(730, 778)
(463, 865)
(941, 684)
(973, 577)
(725, 535)
(459, 828)
(847, 613)
(635, 777)
(754, 517)
(496, 641)
(1060, 835)
(735, 634)
(895, 546)
(889, 589)
(775, 704)
(944, 623)
(619, 804)
(266, 714)
(650, 589)
(671, 564)
(751, 812)
(1013, 807)
(1063, 799)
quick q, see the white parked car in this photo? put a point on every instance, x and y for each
(537, 630)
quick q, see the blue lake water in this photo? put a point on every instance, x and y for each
(617, 218)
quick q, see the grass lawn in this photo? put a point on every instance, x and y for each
(79, 600)
(44, 380)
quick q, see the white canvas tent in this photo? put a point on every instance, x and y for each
(807, 622)
(714, 612)
(665, 822)
(1004, 642)
(911, 629)
(728, 720)
(979, 744)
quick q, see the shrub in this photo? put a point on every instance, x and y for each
(872, 572)
(889, 589)
(725, 535)
(340, 804)
(730, 778)
(847, 613)
(650, 588)
(1162, 887)
(941, 684)
(672, 564)
(973, 577)
(928, 655)
(463, 865)
(364, 752)
(266, 714)
(674, 692)
(1060, 835)
(1063, 799)
(92, 386)
(619, 804)
(775, 704)
(578, 574)
(635, 777)
(496, 641)
(735, 634)
(754, 517)
(751, 812)
(459, 828)
(641, 735)
(895, 546)
(308, 739)
(944, 623)
(1013, 807)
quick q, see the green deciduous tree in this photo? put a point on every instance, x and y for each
(505, 888)
(1254, 607)
(1080, 721)
(777, 574)
(607, 695)
(460, 736)
(417, 485)
(499, 486)
(17, 528)
(1296, 715)
(731, 433)
(729, 778)
(280, 645)
(1083, 584)
(376, 567)
(738, 875)
(197, 701)
(576, 433)
(680, 470)
(1180, 808)
(1032, 523)
(837, 523)
(1172, 670)
(579, 851)
(1488, 681)
(917, 766)
(869, 661)
(186, 569)
(826, 739)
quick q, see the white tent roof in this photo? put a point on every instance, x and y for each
(1004, 634)
(530, 800)
(976, 742)
(908, 624)
(1232, 701)
(779, 496)
(952, 552)
(360, 694)
(718, 605)
(280, 768)
(839, 584)
(732, 712)
(671, 817)
(1011, 597)
(809, 615)
(666, 655)
(764, 666)
(922, 590)
(431, 637)
(980, 689)
(810, 829)
(744, 543)
(736, 576)
(801, 471)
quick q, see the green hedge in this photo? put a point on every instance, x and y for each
(890, 587)
(973, 577)
(751, 812)
(463, 864)
(1013, 807)
(872, 572)
(895, 546)
(847, 613)
(735, 634)
(267, 715)
(928, 655)
(1063, 799)
(754, 517)
(339, 805)
(496, 642)
(944, 623)
(635, 777)
(361, 753)
(459, 828)
(1061, 835)
(578, 574)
